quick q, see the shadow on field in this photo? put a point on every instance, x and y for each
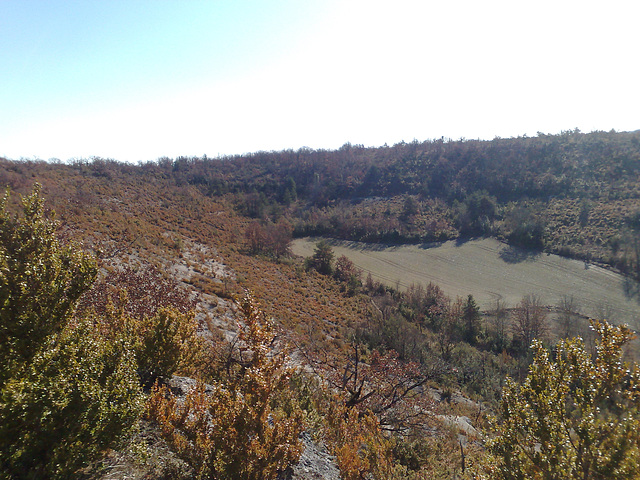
(631, 289)
(461, 241)
(429, 245)
(511, 254)
(362, 246)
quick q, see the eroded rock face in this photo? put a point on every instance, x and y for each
(315, 463)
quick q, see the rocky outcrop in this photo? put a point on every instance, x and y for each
(315, 463)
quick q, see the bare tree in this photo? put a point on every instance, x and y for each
(390, 388)
(529, 321)
(499, 318)
(567, 317)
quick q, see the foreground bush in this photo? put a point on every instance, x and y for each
(77, 397)
(357, 441)
(66, 393)
(157, 317)
(40, 282)
(576, 416)
(247, 427)
(163, 344)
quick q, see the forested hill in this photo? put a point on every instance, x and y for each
(569, 164)
(574, 194)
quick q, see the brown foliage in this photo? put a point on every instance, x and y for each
(357, 441)
(383, 385)
(146, 289)
(270, 238)
(247, 426)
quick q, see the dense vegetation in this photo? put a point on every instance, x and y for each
(67, 392)
(144, 274)
(575, 194)
(575, 415)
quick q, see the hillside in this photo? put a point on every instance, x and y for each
(573, 194)
(393, 383)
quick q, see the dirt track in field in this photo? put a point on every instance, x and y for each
(491, 270)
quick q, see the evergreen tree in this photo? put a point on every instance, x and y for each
(470, 320)
(66, 393)
(322, 259)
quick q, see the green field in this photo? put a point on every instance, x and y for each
(491, 270)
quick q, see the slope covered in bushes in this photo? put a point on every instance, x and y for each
(154, 262)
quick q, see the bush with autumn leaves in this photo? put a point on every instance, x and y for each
(247, 423)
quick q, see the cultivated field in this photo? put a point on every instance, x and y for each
(491, 270)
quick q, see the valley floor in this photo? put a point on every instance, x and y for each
(491, 270)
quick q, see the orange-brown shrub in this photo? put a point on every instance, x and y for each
(248, 426)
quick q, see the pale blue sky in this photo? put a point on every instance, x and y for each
(137, 80)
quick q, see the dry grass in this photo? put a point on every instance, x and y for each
(491, 270)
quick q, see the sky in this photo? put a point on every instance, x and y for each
(138, 80)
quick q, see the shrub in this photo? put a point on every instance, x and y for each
(40, 281)
(575, 416)
(247, 427)
(156, 316)
(347, 273)
(66, 392)
(77, 397)
(356, 439)
(166, 343)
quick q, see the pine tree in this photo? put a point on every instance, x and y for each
(470, 320)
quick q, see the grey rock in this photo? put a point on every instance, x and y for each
(315, 463)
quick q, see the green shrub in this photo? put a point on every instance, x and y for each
(77, 397)
(164, 344)
(66, 392)
(576, 415)
(40, 281)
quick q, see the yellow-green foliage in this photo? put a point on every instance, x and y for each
(248, 426)
(155, 314)
(163, 343)
(575, 416)
(167, 343)
(66, 392)
(76, 398)
(40, 281)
